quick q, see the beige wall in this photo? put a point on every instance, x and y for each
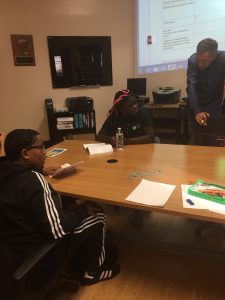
(23, 89)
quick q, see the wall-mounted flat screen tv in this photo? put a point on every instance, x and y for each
(80, 60)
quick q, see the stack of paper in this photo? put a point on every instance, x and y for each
(98, 148)
(151, 193)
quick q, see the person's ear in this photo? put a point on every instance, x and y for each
(25, 154)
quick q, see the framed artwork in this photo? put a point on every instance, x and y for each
(23, 50)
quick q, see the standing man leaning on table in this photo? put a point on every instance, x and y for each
(205, 86)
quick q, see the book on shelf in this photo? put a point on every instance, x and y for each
(65, 120)
(64, 126)
(64, 123)
(84, 120)
(92, 120)
(80, 120)
(76, 120)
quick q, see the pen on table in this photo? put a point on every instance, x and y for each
(190, 202)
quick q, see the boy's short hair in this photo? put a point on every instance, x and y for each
(207, 45)
(17, 140)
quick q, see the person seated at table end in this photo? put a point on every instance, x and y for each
(32, 214)
(135, 122)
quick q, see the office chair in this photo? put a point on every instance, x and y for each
(19, 281)
(214, 132)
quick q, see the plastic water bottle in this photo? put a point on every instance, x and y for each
(119, 139)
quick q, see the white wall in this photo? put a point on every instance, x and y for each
(24, 88)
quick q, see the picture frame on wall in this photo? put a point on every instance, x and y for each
(23, 50)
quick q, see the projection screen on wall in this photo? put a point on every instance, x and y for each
(168, 31)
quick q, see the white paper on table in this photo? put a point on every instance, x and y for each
(200, 203)
(99, 148)
(219, 210)
(93, 145)
(214, 207)
(151, 193)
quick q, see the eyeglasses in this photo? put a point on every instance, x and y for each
(41, 147)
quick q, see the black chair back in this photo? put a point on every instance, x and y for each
(8, 264)
(214, 132)
(35, 277)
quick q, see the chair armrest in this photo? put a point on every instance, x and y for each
(221, 142)
(31, 261)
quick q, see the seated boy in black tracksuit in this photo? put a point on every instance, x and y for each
(31, 210)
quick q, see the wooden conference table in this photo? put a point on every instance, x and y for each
(111, 183)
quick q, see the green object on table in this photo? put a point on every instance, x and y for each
(209, 191)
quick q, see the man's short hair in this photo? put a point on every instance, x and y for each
(17, 140)
(207, 45)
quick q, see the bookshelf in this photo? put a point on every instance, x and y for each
(63, 124)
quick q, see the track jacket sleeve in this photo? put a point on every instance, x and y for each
(45, 207)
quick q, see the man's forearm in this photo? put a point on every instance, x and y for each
(192, 81)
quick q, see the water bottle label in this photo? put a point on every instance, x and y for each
(119, 141)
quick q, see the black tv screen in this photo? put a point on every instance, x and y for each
(80, 60)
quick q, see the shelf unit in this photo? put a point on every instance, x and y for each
(83, 122)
